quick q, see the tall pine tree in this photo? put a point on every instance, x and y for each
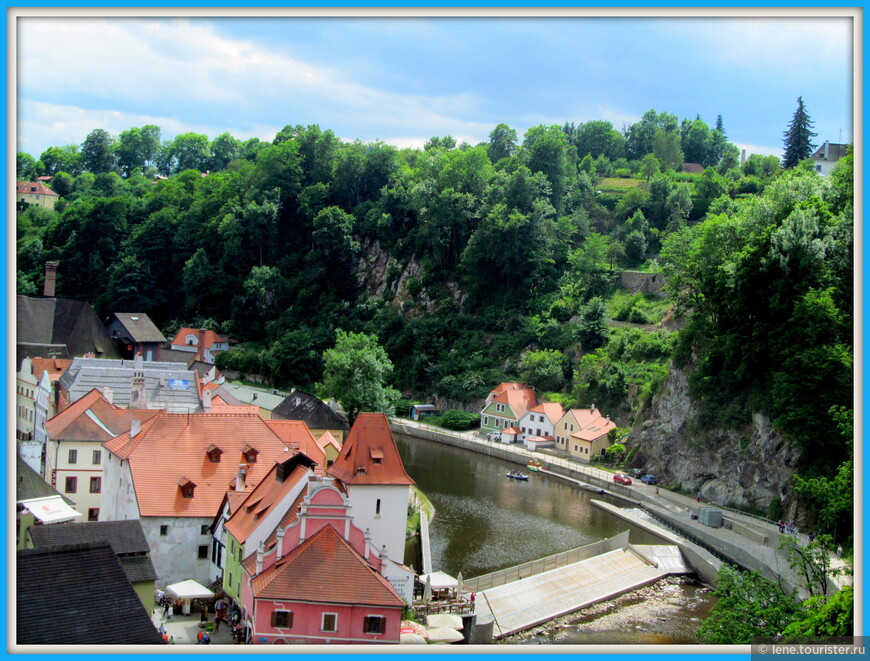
(797, 138)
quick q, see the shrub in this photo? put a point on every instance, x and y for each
(456, 420)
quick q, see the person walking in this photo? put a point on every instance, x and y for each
(839, 552)
(657, 492)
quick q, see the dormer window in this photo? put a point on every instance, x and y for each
(214, 453)
(250, 454)
(191, 340)
(186, 487)
(377, 455)
(361, 470)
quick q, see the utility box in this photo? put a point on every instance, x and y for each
(710, 516)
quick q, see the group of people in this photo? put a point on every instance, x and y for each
(789, 528)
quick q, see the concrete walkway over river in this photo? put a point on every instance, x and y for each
(746, 540)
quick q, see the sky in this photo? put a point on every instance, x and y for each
(403, 80)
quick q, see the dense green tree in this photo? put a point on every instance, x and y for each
(749, 607)
(137, 148)
(598, 138)
(544, 369)
(190, 151)
(666, 147)
(224, 148)
(356, 372)
(25, 167)
(824, 617)
(502, 143)
(546, 149)
(97, 152)
(798, 138)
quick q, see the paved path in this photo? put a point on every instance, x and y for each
(182, 629)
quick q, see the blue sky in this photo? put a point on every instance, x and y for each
(405, 79)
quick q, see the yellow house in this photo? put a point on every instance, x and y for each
(35, 193)
(583, 433)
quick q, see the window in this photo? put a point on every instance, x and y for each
(96, 484)
(329, 622)
(93, 514)
(282, 619)
(98, 457)
(204, 529)
(187, 490)
(486, 421)
(374, 624)
(378, 507)
(73, 456)
(70, 486)
(164, 530)
(202, 553)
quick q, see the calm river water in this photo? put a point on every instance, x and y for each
(485, 522)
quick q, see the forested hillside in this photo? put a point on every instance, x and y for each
(476, 264)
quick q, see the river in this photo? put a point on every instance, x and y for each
(485, 522)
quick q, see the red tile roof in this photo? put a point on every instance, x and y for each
(263, 499)
(54, 366)
(173, 446)
(30, 188)
(591, 424)
(296, 434)
(519, 397)
(74, 423)
(325, 569)
(358, 461)
(553, 411)
(206, 337)
(325, 440)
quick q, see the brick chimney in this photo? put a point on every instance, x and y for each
(50, 279)
(240, 477)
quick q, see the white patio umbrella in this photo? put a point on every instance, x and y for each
(444, 635)
(427, 591)
(459, 585)
(411, 639)
(447, 620)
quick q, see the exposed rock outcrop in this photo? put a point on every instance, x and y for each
(749, 465)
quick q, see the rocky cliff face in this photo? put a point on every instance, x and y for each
(748, 465)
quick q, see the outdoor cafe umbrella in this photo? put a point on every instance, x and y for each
(459, 585)
(189, 589)
(411, 639)
(427, 591)
(447, 620)
(444, 635)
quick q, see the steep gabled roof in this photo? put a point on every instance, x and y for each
(325, 440)
(54, 366)
(139, 327)
(171, 447)
(31, 188)
(296, 434)
(325, 569)
(93, 418)
(29, 484)
(369, 455)
(51, 581)
(518, 397)
(300, 405)
(267, 495)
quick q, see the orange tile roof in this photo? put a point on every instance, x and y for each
(173, 446)
(325, 569)
(74, 423)
(357, 463)
(296, 434)
(264, 498)
(326, 439)
(520, 399)
(28, 188)
(54, 366)
(553, 411)
(592, 424)
(512, 430)
(207, 337)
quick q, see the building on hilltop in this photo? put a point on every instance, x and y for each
(826, 157)
(35, 193)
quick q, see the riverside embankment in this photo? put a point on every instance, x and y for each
(744, 540)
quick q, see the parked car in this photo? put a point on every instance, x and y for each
(636, 473)
(494, 436)
(622, 478)
(649, 479)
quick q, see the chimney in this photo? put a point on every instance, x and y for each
(135, 427)
(109, 395)
(742, 157)
(206, 400)
(240, 477)
(260, 551)
(827, 150)
(138, 362)
(279, 544)
(382, 556)
(138, 398)
(50, 279)
(368, 541)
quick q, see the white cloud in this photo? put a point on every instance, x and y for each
(186, 70)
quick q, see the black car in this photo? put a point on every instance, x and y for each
(636, 473)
